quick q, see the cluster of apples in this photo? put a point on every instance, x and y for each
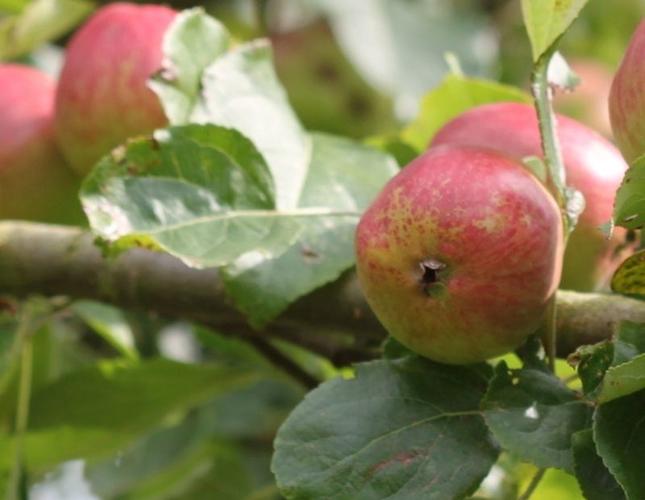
(52, 133)
(461, 252)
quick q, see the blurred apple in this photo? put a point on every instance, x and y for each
(593, 165)
(102, 95)
(588, 101)
(627, 98)
(323, 87)
(35, 183)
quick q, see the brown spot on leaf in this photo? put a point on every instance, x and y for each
(309, 254)
(404, 458)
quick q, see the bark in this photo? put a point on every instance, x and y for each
(334, 321)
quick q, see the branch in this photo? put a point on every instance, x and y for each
(333, 321)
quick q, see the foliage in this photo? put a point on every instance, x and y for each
(236, 182)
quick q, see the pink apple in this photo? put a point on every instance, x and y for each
(593, 165)
(35, 183)
(102, 95)
(460, 253)
(627, 99)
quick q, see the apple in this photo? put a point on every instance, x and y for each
(587, 103)
(103, 97)
(627, 98)
(593, 166)
(460, 253)
(35, 183)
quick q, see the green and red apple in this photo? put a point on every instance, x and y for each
(103, 97)
(627, 99)
(593, 166)
(460, 254)
(35, 182)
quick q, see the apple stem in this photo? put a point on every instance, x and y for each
(556, 174)
(543, 97)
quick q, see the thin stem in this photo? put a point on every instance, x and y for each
(550, 336)
(532, 485)
(283, 362)
(543, 96)
(557, 179)
(24, 396)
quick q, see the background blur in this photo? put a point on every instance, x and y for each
(352, 67)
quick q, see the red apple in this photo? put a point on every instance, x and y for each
(102, 95)
(593, 165)
(460, 253)
(627, 99)
(35, 183)
(588, 101)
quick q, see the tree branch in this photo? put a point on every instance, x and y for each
(334, 321)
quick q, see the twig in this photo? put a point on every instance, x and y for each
(532, 485)
(24, 396)
(283, 362)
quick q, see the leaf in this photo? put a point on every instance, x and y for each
(343, 176)
(407, 428)
(547, 20)
(594, 478)
(613, 368)
(237, 89)
(95, 411)
(593, 361)
(400, 47)
(533, 414)
(619, 434)
(110, 323)
(201, 193)
(623, 379)
(629, 278)
(192, 42)
(40, 21)
(629, 206)
(452, 97)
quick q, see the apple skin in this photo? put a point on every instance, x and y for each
(102, 96)
(627, 98)
(588, 101)
(593, 166)
(35, 182)
(498, 233)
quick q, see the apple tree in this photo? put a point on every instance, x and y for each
(239, 262)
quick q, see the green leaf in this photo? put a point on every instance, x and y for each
(201, 193)
(192, 42)
(110, 323)
(619, 435)
(344, 176)
(623, 379)
(95, 411)
(593, 361)
(400, 47)
(237, 89)
(407, 428)
(594, 478)
(392, 144)
(547, 20)
(613, 368)
(629, 206)
(452, 97)
(533, 414)
(40, 21)
(629, 278)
